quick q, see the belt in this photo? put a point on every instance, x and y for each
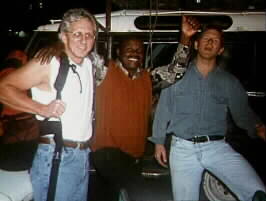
(205, 138)
(72, 144)
(19, 116)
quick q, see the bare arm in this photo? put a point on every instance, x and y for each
(190, 26)
(14, 85)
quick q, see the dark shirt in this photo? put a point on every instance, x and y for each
(198, 105)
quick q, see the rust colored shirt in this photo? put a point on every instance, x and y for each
(123, 109)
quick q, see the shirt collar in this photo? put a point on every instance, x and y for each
(214, 71)
(135, 76)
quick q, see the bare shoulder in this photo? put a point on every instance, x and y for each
(32, 74)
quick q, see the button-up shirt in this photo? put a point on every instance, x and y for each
(198, 105)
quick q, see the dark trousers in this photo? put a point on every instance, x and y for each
(115, 170)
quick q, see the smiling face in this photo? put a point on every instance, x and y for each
(131, 54)
(79, 39)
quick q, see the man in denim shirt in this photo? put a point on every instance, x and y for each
(195, 110)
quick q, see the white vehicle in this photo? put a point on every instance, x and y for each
(15, 186)
(244, 56)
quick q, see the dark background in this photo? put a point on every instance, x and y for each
(20, 17)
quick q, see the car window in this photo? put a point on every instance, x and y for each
(39, 40)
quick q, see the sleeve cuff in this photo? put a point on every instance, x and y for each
(156, 140)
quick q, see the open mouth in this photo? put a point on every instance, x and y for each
(133, 59)
(208, 49)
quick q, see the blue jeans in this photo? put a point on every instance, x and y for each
(73, 177)
(189, 160)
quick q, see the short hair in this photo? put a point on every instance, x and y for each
(211, 26)
(129, 38)
(73, 15)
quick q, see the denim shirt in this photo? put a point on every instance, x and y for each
(198, 105)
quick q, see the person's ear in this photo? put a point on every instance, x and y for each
(62, 37)
(221, 51)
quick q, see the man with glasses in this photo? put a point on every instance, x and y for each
(77, 33)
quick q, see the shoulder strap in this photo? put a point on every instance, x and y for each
(45, 125)
(59, 84)
(62, 75)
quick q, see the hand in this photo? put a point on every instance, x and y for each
(190, 26)
(45, 54)
(160, 155)
(261, 131)
(54, 109)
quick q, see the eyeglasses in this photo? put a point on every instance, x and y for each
(79, 35)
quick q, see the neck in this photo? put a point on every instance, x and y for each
(205, 66)
(76, 60)
(131, 72)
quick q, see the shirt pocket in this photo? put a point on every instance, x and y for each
(184, 102)
(217, 107)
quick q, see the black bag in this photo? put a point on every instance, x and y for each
(19, 141)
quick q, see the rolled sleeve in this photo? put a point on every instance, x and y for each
(164, 76)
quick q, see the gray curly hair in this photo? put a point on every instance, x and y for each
(75, 14)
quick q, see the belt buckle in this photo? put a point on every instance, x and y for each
(195, 139)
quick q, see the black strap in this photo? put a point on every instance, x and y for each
(58, 137)
(62, 75)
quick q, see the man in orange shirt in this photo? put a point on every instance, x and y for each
(123, 115)
(123, 109)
